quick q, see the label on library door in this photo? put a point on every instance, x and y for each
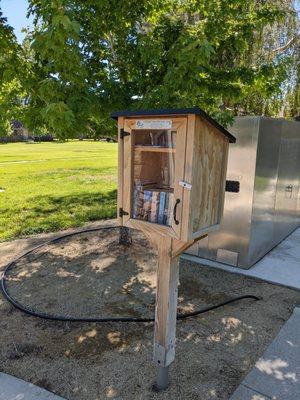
(153, 124)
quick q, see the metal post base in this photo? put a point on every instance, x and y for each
(162, 379)
(125, 236)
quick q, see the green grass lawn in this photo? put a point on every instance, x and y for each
(52, 186)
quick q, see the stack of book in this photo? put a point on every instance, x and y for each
(153, 205)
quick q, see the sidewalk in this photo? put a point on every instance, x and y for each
(276, 375)
(12, 388)
(280, 266)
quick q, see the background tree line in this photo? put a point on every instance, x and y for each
(84, 59)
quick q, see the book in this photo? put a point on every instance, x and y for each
(138, 202)
(169, 210)
(152, 203)
(147, 205)
(165, 218)
(162, 200)
(154, 206)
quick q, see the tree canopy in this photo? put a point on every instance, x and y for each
(10, 87)
(84, 59)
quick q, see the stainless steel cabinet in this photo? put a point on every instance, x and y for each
(286, 218)
(265, 161)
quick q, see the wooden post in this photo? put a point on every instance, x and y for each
(125, 236)
(166, 310)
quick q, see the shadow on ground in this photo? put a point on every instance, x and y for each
(91, 275)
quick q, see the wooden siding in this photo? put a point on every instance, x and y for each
(208, 176)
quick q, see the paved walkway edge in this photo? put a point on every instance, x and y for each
(276, 375)
(12, 388)
(281, 266)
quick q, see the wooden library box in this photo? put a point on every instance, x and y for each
(172, 171)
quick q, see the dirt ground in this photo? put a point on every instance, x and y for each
(91, 275)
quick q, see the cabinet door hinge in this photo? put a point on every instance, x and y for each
(123, 133)
(122, 212)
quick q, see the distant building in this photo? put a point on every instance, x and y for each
(19, 132)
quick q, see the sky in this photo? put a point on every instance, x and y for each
(15, 11)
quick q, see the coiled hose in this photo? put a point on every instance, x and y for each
(42, 315)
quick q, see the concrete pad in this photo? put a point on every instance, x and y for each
(12, 388)
(244, 393)
(276, 374)
(280, 266)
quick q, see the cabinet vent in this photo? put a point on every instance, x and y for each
(232, 186)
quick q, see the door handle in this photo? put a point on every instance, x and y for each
(175, 210)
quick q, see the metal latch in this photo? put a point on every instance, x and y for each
(122, 212)
(185, 184)
(123, 133)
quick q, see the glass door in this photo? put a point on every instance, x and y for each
(157, 166)
(153, 175)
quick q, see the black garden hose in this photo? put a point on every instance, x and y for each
(33, 313)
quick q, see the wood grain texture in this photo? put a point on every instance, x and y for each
(147, 166)
(186, 232)
(180, 246)
(155, 149)
(181, 127)
(120, 169)
(166, 304)
(166, 298)
(208, 177)
(127, 172)
(150, 228)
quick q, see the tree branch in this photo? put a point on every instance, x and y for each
(283, 48)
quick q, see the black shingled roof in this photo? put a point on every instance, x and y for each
(175, 111)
